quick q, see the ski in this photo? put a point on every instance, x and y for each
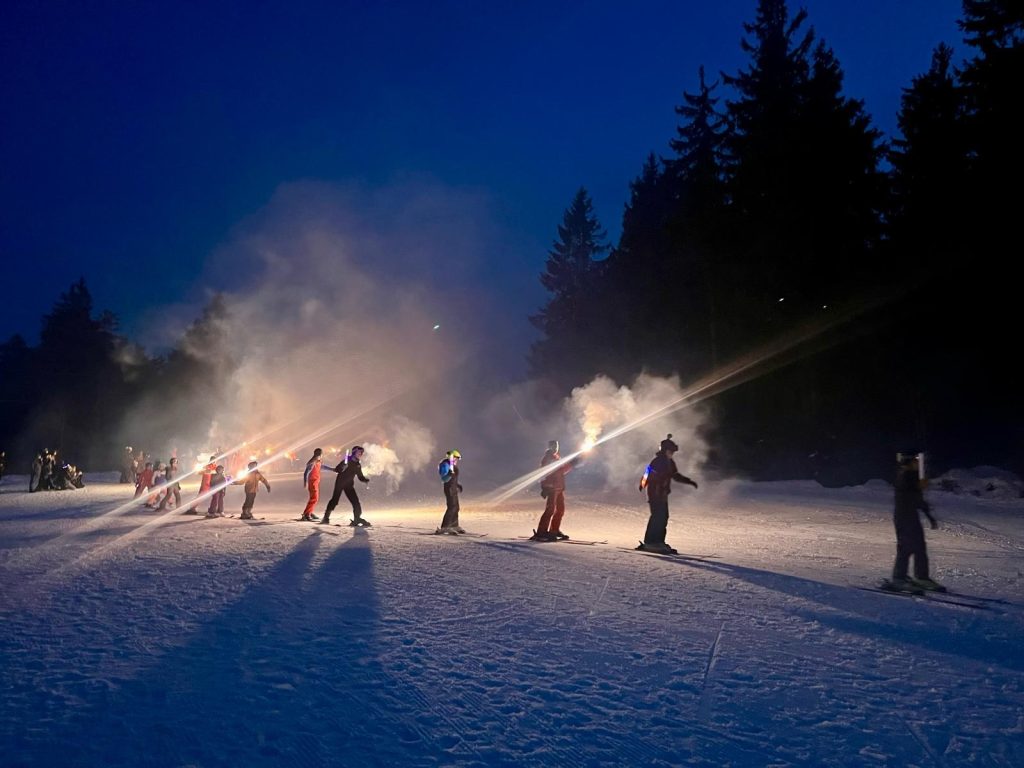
(453, 535)
(559, 541)
(675, 555)
(933, 597)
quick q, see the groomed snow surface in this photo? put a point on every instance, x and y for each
(195, 642)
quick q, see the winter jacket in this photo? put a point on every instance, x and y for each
(909, 497)
(348, 471)
(448, 472)
(312, 473)
(662, 471)
(555, 481)
(252, 481)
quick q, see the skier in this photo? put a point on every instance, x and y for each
(909, 533)
(552, 489)
(49, 465)
(219, 482)
(658, 482)
(311, 482)
(173, 486)
(144, 480)
(127, 466)
(204, 485)
(348, 471)
(159, 481)
(448, 469)
(37, 472)
(251, 481)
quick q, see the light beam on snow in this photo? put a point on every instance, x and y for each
(772, 356)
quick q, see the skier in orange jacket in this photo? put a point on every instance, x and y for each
(311, 481)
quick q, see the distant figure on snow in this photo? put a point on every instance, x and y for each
(204, 484)
(173, 486)
(218, 481)
(311, 482)
(448, 469)
(657, 479)
(251, 481)
(37, 473)
(348, 471)
(127, 466)
(909, 533)
(552, 489)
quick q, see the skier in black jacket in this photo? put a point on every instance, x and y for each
(909, 533)
(448, 469)
(348, 470)
(658, 481)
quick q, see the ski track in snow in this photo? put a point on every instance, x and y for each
(215, 643)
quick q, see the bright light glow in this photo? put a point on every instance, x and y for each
(588, 444)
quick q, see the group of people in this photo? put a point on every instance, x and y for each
(160, 480)
(657, 481)
(49, 474)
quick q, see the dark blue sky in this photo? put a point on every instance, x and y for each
(134, 136)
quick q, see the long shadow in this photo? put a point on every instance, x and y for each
(935, 637)
(288, 674)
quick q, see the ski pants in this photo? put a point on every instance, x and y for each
(33, 482)
(314, 497)
(657, 526)
(174, 490)
(247, 505)
(216, 504)
(551, 520)
(451, 509)
(351, 495)
(910, 541)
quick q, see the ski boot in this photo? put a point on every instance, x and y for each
(313, 517)
(928, 585)
(901, 585)
(560, 536)
(450, 530)
(544, 536)
(246, 516)
(660, 548)
(326, 520)
(458, 529)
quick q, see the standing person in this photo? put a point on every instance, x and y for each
(251, 481)
(159, 481)
(552, 489)
(37, 473)
(311, 482)
(658, 480)
(144, 480)
(348, 471)
(909, 533)
(127, 466)
(204, 485)
(448, 469)
(49, 464)
(219, 482)
(173, 486)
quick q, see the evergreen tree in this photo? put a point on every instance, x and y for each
(570, 276)
(804, 183)
(696, 171)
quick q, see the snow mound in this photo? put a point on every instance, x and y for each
(983, 482)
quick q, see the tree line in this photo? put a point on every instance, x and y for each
(86, 391)
(780, 209)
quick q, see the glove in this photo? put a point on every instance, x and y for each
(268, 490)
(543, 493)
(460, 487)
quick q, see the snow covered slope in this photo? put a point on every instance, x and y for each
(197, 642)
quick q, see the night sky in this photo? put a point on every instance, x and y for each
(135, 136)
